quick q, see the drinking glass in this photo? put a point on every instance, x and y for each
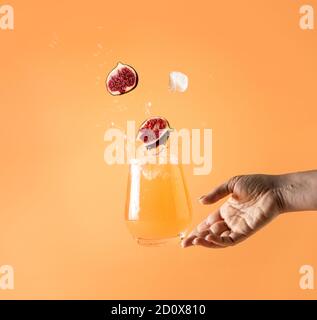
(158, 207)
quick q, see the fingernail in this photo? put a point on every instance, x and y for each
(201, 199)
(195, 241)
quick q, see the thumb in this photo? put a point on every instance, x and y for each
(219, 192)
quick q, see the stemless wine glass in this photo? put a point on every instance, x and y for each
(158, 207)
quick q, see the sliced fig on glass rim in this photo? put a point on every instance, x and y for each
(122, 79)
(154, 131)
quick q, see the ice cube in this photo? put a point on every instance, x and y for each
(178, 81)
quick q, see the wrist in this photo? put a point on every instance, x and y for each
(297, 191)
(285, 191)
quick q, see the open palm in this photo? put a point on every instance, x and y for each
(254, 202)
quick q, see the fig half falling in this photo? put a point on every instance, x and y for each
(122, 79)
(154, 132)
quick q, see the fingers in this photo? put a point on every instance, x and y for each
(205, 243)
(218, 235)
(188, 241)
(220, 192)
(215, 237)
(211, 219)
(202, 229)
(226, 239)
(216, 194)
(218, 228)
(213, 223)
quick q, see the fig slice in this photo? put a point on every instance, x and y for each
(122, 79)
(154, 131)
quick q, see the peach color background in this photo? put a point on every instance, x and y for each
(253, 75)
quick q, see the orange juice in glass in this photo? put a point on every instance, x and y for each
(158, 206)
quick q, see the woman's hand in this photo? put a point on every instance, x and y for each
(255, 200)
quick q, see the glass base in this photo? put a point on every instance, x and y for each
(160, 242)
